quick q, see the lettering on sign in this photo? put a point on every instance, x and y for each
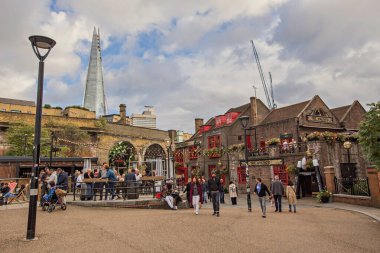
(265, 162)
(319, 119)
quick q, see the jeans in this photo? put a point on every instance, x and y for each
(88, 191)
(234, 200)
(205, 197)
(215, 201)
(262, 202)
(196, 203)
(277, 202)
(169, 199)
(8, 195)
(294, 208)
(110, 189)
(221, 197)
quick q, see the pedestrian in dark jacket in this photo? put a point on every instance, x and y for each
(196, 195)
(62, 182)
(89, 190)
(277, 190)
(213, 187)
(261, 189)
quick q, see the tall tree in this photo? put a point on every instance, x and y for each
(20, 137)
(369, 134)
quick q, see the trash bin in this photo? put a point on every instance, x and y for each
(132, 190)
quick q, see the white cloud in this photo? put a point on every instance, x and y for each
(197, 60)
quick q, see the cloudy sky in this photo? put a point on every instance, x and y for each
(194, 58)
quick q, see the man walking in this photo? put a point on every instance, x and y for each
(277, 190)
(261, 189)
(214, 186)
(110, 175)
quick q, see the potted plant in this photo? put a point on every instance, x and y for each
(324, 196)
(314, 136)
(291, 169)
(329, 137)
(273, 141)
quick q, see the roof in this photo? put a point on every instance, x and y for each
(6, 159)
(241, 108)
(339, 112)
(283, 113)
(17, 102)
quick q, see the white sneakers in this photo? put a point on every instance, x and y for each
(196, 213)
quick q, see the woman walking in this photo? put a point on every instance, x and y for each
(233, 193)
(196, 194)
(187, 190)
(291, 195)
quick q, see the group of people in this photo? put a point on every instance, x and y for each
(51, 180)
(6, 192)
(110, 187)
(198, 191)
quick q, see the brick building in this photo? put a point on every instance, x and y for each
(276, 139)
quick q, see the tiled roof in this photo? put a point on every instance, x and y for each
(339, 112)
(283, 113)
(241, 108)
(17, 102)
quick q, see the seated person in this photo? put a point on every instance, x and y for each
(51, 195)
(5, 188)
(12, 195)
(171, 197)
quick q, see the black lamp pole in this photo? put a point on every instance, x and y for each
(244, 123)
(38, 42)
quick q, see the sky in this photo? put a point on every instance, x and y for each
(193, 59)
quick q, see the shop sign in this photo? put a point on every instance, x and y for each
(265, 162)
(319, 119)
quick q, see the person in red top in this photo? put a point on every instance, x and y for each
(196, 195)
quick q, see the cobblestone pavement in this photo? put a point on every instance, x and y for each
(81, 229)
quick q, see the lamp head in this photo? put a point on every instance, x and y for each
(41, 42)
(244, 121)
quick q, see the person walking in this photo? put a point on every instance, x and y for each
(291, 195)
(187, 190)
(232, 189)
(204, 190)
(261, 189)
(196, 194)
(214, 186)
(277, 190)
(221, 191)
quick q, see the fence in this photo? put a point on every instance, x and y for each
(352, 186)
(91, 189)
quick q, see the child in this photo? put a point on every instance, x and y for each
(233, 192)
(291, 195)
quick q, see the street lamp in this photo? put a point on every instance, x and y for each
(167, 141)
(244, 123)
(46, 44)
(347, 145)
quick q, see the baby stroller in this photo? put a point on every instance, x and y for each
(54, 198)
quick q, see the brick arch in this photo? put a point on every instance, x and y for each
(158, 148)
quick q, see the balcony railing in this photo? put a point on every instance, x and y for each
(279, 149)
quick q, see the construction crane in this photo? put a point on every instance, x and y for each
(268, 94)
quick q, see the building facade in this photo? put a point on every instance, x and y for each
(277, 139)
(146, 119)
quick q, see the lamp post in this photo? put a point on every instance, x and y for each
(347, 145)
(168, 158)
(38, 43)
(244, 123)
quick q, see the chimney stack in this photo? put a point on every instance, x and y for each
(198, 124)
(253, 111)
(123, 115)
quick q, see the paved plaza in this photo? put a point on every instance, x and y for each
(83, 229)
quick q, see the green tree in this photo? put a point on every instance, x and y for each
(21, 138)
(369, 134)
(71, 140)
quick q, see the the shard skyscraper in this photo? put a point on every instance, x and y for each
(94, 96)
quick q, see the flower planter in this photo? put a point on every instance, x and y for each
(325, 199)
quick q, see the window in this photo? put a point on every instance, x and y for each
(214, 141)
(18, 111)
(193, 153)
(241, 175)
(249, 143)
(280, 171)
(240, 138)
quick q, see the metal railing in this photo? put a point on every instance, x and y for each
(352, 186)
(103, 190)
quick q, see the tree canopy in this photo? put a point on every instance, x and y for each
(369, 134)
(21, 138)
